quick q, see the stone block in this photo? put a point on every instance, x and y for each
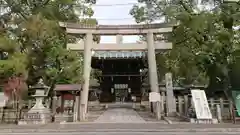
(36, 117)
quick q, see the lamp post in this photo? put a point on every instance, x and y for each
(39, 95)
(38, 114)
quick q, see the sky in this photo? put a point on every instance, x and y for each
(112, 15)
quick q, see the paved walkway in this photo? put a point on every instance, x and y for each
(120, 115)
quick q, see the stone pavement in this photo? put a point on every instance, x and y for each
(120, 128)
(122, 133)
(120, 115)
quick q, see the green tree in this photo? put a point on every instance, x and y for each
(38, 43)
(203, 41)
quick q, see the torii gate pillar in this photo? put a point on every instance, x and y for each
(152, 69)
(86, 75)
(152, 66)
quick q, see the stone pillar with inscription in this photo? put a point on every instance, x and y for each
(86, 75)
(152, 69)
(171, 105)
(38, 114)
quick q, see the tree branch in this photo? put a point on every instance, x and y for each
(11, 5)
(45, 2)
(186, 8)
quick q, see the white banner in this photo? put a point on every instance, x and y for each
(201, 104)
(154, 97)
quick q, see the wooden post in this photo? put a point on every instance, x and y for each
(163, 102)
(62, 104)
(185, 105)
(54, 104)
(219, 114)
(76, 109)
(59, 101)
(221, 105)
(231, 110)
(180, 109)
(211, 104)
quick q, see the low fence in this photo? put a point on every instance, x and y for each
(11, 115)
(183, 103)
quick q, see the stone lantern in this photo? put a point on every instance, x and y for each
(38, 114)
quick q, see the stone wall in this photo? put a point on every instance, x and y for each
(11, 115)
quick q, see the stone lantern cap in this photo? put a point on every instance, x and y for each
(41, 89)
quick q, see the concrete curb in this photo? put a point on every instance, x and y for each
(216, 130)
(74, 123)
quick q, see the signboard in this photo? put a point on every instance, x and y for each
(201, 104)
(3, 99)
(236, 98)
(154, 97)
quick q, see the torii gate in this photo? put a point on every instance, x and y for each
(118, 30)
